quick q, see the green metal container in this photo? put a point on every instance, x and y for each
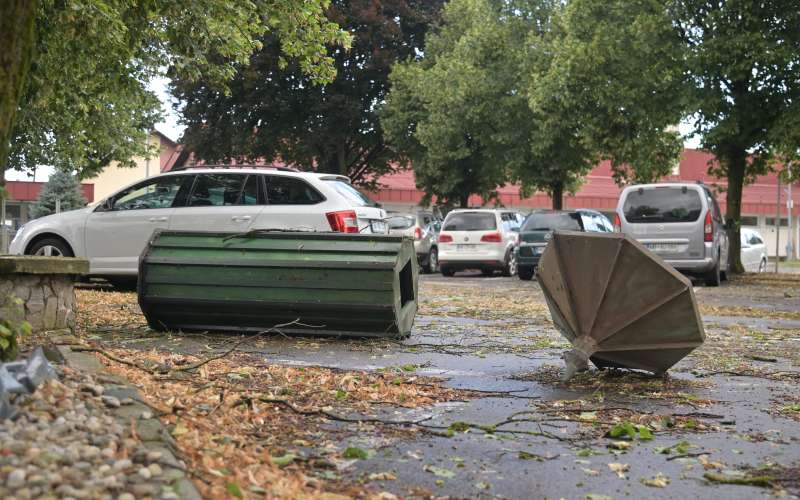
(332, 283)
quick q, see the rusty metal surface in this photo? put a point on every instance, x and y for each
(617, 303)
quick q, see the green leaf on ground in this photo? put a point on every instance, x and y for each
(440, 471)
(284, 460)
(234, 490)
(355, 452)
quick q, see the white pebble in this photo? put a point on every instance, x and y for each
(145, 473)
(16, 479)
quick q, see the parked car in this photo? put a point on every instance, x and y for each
(113, 233)
(424, 227)
(538, 229)
(681, 223)
(754, 251)
(481, 239)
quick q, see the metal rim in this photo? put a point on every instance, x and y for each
(433, 260)
(49, 251)
(512, 264)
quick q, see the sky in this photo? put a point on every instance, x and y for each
(171, 127)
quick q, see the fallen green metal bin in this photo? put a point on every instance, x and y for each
(329, 283)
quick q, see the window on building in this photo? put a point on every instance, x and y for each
(750, 220)
(771, 221)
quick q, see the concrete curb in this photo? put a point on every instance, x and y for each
(152, 433)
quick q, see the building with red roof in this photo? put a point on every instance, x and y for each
(599, 192)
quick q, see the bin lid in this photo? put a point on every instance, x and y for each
(619, 303)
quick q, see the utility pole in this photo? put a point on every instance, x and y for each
(3, 232)
(790, 246)
(778, 225)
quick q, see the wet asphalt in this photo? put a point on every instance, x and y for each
(495, 356)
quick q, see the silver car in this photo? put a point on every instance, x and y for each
(681, 223)
(424, 227)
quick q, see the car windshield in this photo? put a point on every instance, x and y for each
(662, 204)
(553, 221)
(470, 221)
(353, 195)
(401, 222)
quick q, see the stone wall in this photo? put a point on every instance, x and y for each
(49, 299)
(44, 285)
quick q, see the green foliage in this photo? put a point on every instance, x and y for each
(615, 81)
(61, 186)
(274, 111)
(12, 327)
(86, 101)
(442, 109)
(462, 113)
(628, 430)
(629, 70)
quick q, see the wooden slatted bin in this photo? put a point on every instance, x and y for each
(332, 283)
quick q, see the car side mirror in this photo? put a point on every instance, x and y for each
(105, 206)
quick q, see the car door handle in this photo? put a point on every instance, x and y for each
(240, 218)
(158, 219)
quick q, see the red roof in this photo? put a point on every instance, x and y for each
(29, 191)
(600, 192)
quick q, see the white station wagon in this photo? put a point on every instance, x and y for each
(112, 233)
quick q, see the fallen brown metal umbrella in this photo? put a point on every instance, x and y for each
(617, 303)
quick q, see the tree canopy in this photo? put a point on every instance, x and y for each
(276, 113)
(630, 69)
(85, 100)
(462, 113)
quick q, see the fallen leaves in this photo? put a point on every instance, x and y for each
(619, 469)
(658, 481)
(240, 433)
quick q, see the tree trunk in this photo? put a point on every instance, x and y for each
(341, 158)
(557, 194)
(463, 201)
(737, 163)
(17, 39)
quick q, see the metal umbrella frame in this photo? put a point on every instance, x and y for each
(617, 303)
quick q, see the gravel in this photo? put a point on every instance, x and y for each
(66, 443)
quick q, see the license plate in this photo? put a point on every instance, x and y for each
(378, 226)
(465, 248)
(663, 247)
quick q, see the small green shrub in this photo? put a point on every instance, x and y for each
(12, 327)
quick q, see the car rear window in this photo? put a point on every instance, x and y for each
(353, 195)
(470, 221)
(283, 190)
(551, 222)
(662, 204)
(401, 222)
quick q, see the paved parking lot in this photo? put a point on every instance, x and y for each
(727, 410)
